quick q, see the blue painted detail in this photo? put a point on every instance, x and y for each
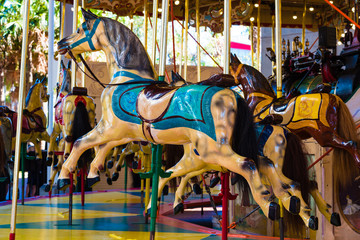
(124, 102)
(189, 107)
(263, 133)
(130, 75)
(196, 152)
(88, 35)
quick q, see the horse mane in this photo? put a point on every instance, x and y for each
(129, 51)
(28, 96)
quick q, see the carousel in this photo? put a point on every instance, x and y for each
(186, 119)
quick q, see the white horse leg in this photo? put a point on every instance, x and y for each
(98, 136)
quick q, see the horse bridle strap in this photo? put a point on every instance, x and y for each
(92, 77)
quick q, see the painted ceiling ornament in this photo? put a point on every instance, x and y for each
(119, 7)
(213, 16)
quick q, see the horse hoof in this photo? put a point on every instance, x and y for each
(55, 168)
(92, 181)
(335, 219)
(197, 189)
(165, 191)
(47, 188)
(294, 207)
(110, 164)
(313, 223)
(214, 182)
(109, 181)
(49, 161)
(274, 211)
(115, 176)
(62, 184)
(118, 168)
(179, 208)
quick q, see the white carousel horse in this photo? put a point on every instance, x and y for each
(137, 108)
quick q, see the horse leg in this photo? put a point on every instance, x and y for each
(98, 163)
(101, 134)
(223, 155)
(185, 165)
(56, 131)
(129, 149)
(291, 203)
(37, 146)
(113, 159)
(179, 194)
(324, 207)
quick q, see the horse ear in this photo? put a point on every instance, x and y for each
(232, 58)
(69, 65)
(237, 59)
(88, 15)
(62, 64)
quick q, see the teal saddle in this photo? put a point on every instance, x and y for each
(187, 106)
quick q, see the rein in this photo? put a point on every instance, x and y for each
(266, 107)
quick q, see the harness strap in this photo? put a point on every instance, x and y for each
(88, 35)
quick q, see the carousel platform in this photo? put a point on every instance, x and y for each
(106, 215)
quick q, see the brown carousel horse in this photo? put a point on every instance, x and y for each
(74, 116)
(207, 119)
(34, 118)
(325, 117)
(5, 154)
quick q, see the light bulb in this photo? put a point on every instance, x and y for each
(256, 5)
(252, 19)
(177, 2)
(311, 9)
(294, 17)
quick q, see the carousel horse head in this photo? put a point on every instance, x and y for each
(37, 92)
(249, 78)
(100, 33)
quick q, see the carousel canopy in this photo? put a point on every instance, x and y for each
(318, 12)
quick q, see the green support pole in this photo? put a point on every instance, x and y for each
(156, 167)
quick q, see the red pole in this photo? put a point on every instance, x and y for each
(50, 194)
(225, 190)
(82, 176)
(71, 198)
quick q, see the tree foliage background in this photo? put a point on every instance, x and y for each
(11, 19)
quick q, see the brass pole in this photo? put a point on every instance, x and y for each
(198, 39)
(145, 24)
(258, 38)
(278, 48)
(252, 42)
(186, 37)
(181, 50)
(155, 9)
(75, 21)
(26, 10)
(303, 28)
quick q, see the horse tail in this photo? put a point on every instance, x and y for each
(344, 167)
(81, 126)
(295, 168)
(244, 142)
